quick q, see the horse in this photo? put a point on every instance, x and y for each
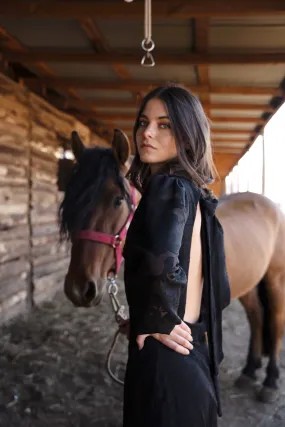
(99, 197)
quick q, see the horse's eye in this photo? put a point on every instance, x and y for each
(118, 201)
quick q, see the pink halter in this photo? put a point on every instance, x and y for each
(116, 241)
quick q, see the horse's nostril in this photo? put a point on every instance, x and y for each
(89, 292)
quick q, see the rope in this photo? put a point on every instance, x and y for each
(109, 357)
(147, 21)
(147, 43)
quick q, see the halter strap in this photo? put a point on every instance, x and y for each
(116, 241)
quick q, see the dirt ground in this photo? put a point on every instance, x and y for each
(52, 370)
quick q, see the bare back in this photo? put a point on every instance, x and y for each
(195, 279)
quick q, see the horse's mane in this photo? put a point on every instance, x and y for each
(85, 187)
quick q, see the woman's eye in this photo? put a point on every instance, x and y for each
(165, 126)
(142, 124)
(118, 201)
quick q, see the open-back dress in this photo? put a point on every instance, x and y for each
(162, 387)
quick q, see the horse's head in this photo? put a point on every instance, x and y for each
(94, 214)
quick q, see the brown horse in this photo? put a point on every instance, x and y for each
(98, 198)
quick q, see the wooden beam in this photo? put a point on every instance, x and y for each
(241, 107)
(107, 117)
(114, 103)
(160, 8)
(252, 120)
(134, 57)
(228, 131)
(229, 141)
(224, 131)
(65, 82)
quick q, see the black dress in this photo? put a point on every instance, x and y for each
(164, 388)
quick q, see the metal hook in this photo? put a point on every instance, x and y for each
(148, 60)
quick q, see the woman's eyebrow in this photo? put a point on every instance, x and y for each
(160, 117)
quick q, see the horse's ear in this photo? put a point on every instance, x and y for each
(121, 147)
(77, 145)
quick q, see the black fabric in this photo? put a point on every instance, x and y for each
(156, 255)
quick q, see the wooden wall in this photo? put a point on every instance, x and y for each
(32, 263)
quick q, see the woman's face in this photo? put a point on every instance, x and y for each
(155, 140)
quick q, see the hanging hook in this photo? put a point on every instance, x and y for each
(147, 43)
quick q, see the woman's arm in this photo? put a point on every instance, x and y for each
(166, 207)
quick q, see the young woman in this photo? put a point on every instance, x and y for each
(175, 275)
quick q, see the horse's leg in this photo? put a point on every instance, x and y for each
(254, 312)
(275, 291)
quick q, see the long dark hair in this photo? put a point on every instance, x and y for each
(191, 130)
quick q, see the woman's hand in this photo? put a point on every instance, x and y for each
(124, 328)
(179, 339)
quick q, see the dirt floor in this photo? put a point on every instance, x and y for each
(52, 370)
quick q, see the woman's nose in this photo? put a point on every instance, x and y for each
(149, 132)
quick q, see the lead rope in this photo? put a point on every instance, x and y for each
(147, 43)
(121, 318)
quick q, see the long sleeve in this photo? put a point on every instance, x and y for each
(164, 209)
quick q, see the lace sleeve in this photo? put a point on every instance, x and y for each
(166, 209)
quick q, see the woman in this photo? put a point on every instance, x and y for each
(175, 276)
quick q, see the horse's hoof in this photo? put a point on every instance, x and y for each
(244, 382)
(268, 395)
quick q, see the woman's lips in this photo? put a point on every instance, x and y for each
(147, 146)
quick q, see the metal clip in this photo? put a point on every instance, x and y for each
(121, 315)
(148, 60)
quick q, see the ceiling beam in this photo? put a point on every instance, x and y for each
(114, 103)
(231, 132)
(160, 9)
(133, 57)
(107, 117)
(229, 141)
(224, 131)
(65, 82)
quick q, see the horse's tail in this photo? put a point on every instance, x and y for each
(266, 330)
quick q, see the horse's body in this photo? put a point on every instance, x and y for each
(254, 230)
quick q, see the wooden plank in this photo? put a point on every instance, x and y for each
(66, 82)
(133, 57)
(160, 8)
(114, 103)
(109, 117)
(229, 140)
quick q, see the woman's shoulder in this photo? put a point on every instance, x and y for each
(166, 181)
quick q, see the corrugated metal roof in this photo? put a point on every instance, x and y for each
(75, 69)
(236, 113)
(47, 32)
(167, 34)
(231, 126)
(240, 99)
(102, 93)
(249, 75)
(182, 73)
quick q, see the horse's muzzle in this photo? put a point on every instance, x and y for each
(84, 295)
